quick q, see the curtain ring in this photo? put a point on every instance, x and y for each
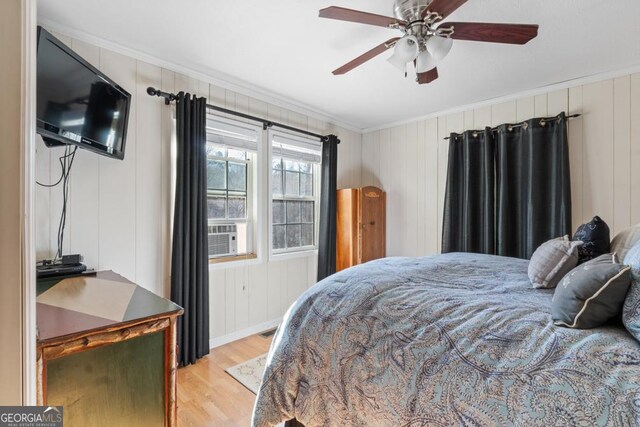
(525, 125)
(510, 128)
(475, 134)
(543, 122)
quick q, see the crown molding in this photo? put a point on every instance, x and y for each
(247, 89)
(567, 84)
(206, 75)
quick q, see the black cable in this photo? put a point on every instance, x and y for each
(66, 161)
(63, 214)
(61, 173)
(66, 197)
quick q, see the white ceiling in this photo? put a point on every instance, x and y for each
(283, 47)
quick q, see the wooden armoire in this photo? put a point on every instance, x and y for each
(361, 226)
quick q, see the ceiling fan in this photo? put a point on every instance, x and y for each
(426, 40)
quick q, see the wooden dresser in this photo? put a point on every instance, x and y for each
(106, 351)
(361, 226)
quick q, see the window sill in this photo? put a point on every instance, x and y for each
(281, 256)
(233, 261)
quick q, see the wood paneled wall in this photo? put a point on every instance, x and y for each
(119, 211)
(410, 161)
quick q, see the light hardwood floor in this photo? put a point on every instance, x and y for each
(208, 396)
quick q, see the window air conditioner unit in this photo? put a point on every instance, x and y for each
(223, 240)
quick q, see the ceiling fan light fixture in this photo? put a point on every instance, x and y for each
(421, 22)
(439, 47)
(425, 62)
(406, 50)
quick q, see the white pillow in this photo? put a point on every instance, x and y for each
(552, 260)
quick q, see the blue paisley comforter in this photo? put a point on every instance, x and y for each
(455, 339)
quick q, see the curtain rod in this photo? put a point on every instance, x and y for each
(266, 124)
(524, 123)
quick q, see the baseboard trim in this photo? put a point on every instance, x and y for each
(243, 333)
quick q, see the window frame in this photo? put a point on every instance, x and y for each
(248, 162)
(254, 194)
(302, 250)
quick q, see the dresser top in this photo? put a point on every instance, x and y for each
(80, 304)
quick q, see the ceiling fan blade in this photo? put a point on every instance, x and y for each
(428, 77)
(365, 57)
(495, 33)
(444, 8)
(343, 14)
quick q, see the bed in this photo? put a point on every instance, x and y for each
(453, 339)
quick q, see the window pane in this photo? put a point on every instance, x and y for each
(306, 184)
(277, 163)
(216, 150)
(293, 212)
(237, 207)
(279, 236)
(235, 154)
(307, 212)
(306, 167)
(291, 165)
(216, 174)
(278, 212)
(293, 236)
(276, 182)
(292, 184)
(307, 235)
(237, 176)
(216, 207)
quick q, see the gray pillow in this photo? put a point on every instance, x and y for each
(625, 240)
(552, 260)
(591, 293)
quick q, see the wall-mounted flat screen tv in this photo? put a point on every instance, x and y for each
(76, 103)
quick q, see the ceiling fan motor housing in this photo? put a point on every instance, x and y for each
(410, 10)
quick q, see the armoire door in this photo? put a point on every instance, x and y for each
(372, 224)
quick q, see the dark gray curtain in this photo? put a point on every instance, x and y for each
(508, 189)
(328, 188)
(469, 215)
(533, 195)
(190, 259)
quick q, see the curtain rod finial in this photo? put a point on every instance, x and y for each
(152, 91)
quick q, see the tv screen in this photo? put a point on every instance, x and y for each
(76, 103)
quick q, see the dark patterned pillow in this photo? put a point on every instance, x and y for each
(595, 235)
(631, 309)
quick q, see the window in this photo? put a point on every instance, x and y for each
(294, 193)
(231, 202)
(226, 183)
